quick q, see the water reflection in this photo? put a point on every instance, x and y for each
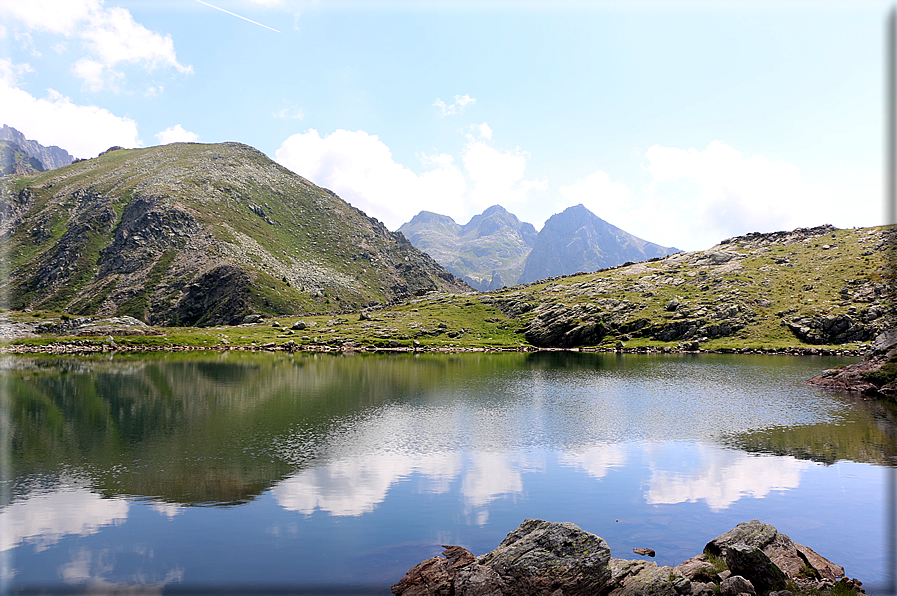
(321, 452)
(720, 477)
(595, 461)
(42, 517)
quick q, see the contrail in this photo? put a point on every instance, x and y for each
(238, 16)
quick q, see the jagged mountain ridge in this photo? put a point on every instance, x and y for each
(488, 252)
(194, 234)
(15, 160)
(495, 249)
(51, 157)
(577, 240)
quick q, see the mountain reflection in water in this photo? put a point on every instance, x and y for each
(328, 470)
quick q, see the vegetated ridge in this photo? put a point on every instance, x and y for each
(495, 249)
(194, 234)
(805, 291)
(49, 157)
(488, 252)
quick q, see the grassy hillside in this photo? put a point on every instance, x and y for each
(818, 287)
(197, 234)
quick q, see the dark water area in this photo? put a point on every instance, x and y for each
(255, 472)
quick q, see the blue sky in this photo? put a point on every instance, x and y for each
(683, 122)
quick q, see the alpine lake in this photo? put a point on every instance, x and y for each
(239, 472)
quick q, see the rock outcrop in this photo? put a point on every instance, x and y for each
(15, 160)
(561, 559)
(875, 376)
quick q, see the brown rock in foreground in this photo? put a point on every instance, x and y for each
(561, 559)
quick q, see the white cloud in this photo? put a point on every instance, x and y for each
(724, 477)
(461, 102)
(268, 3)
(176, 134)
(111, 36)
(83, 131)
(701, 197)
(289, 114)
(484, 130)
(360, 169)
(43, 518)
(595, 461)
(356, 484)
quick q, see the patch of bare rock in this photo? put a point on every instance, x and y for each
(869, 377)
(561, 559)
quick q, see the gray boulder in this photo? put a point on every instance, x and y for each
(794, 559)
(735, 585)
(646, 578)
(539, 557)
(753, 564)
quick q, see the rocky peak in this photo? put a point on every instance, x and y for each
(50, 157)
(489, 249)
(577, 240)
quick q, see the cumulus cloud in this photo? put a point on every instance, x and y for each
(111, 37)
(44, 517)
(724, 477)
(360, 168)
(461, 102)
(176, 134)
(82, 130)
(704, 196)
(595, 461)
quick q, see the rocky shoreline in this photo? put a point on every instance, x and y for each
(875, 376)
(90, 346)
(561, 559)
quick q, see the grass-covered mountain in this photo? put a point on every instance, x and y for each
(193, 234)
(576, 240)
(488, 252)
(810, 287)
(495, 249)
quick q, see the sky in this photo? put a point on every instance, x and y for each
(683, 123)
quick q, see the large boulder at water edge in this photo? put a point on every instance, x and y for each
(539, 557)
(795, 560)
(561, 559)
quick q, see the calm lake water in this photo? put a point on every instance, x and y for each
(257, 472)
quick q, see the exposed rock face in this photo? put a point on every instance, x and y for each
(538, 557)
(578, 240)
(645, 578)
(15, 160)
(486, 252)
(50, 157)
(752, 563)
(788, 556)
(188, 234)
(542, 558)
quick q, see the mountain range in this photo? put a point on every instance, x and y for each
(495, 249)
(50, 158)
(195, 234)
(489, 252)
